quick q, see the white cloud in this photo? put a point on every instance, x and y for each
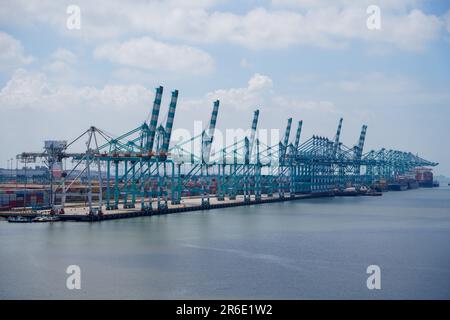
(61, 66)
(33, 90)
(259, 93)
(259, 82)
(283, 24)
(308, 4)
(64, 55)
(412, 31)
(253, 95)
(150, 54)
(57, 67)
(12, 53)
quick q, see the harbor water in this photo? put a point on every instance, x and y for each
(306, 249)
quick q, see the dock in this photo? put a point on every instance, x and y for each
(79, 214)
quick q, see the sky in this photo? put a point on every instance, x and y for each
(314, 61)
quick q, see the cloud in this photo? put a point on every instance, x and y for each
(412, 31)
(259, 93)
(33, 90)
(12, 53)
(64, 55)
(254, 94)
(308, 4)
(147, 53)
(61, 64)
(259, 82)
(282, 24)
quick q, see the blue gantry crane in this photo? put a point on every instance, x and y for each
(143, 168)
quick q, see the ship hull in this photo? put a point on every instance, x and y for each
(398, 187)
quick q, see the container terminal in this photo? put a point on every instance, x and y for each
(142, 172)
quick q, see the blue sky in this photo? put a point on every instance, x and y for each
(310, 60)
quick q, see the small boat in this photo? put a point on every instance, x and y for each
(348, 192)
(40, 219)
(45, 219)
(18, 219)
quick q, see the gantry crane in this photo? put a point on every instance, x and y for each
(141, 168)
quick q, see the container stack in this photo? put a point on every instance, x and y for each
(23, 198)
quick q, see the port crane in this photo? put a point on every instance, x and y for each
(144, 169)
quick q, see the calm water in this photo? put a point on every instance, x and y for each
(316, 248)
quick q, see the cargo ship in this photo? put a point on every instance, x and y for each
(403, 182)
(424, 177)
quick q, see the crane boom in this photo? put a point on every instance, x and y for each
(287, 133)
(253, 132)
(297, 136)
(337, 137)
(154, 118)
(212, 123)
(170, 119)
(207, 141)
(362, 138)
(284, 145)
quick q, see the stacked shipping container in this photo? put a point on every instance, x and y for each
(23, 198)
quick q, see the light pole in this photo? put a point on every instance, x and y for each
(17, 173)
(12, 168)
(8, 165)
(25, 186)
